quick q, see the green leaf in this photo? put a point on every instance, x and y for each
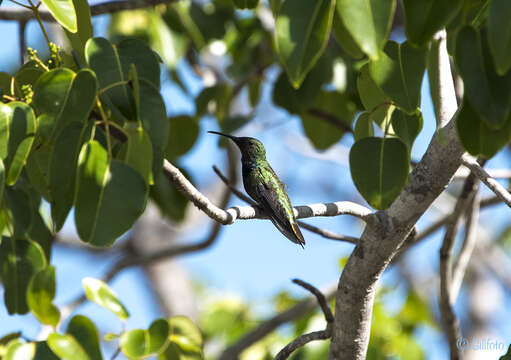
(183, 132)
(66, 347)
(18, 202)
(99, 292)
(170, 201)
(138, 152)
(406, 126)
(37, 169)
(83, 330)
(22, 127)
(43, 351)
(372, 97)
(302, 30)
(488, 93)
(64, 12)
(154, 120)
(363, 127)
(110, 196)
(4, 340)
(245, 4)
(19, 261)
(134, 343)
(476, 136)
(17, 350)
(254, 90)
(499, 34)
(79, 38)
(344, 38)
(368, 22)
(80, 100)
(138, 343)
(104, 59)
(63, 169)
(328, 119)
(423, 18)
(134, 51)
(2, 180)
(50, 93)
(40, 294)
(379, 169)
(185, 334)
(398, 72)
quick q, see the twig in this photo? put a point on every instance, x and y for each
(316, 335)
(446, 300)
(108, 7)
(469, 242)
(301, 341)
(329, 317)
(462, 173)
(491, 183)
(268, 326)
(323, 232)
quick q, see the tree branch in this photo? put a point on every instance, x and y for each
(108, 7)
(268, 326)
(227, 217)
(446, 300)
(316, 335)
(329, 317)
(490, 182)
(379, 244)
(301, 341)
(323, 232)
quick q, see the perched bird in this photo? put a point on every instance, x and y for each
(264, 186)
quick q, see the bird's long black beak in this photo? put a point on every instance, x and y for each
(233, 138)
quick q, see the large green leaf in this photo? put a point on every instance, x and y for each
(84, 28)
(137, 151)
(302, 29)
(21, 129)
(406, 126)
(379, 169)
(368, 22)
(18, 202)
(99, 292)
(183, 132)
(50, 91)
(139, 343)
(170, 201)
(110, 196)
(398, 72)
(86, 334)
(488, 93)
(104, 59)
(499, 34)
(66, 347)
(19, 261)
(328, 118)
(63, 168)
(344, 38)
(476, 136)
(154, 120)
(40, 294)
(134, 51)
(423, 18)
(64, 12)
(372, 97)
(363, 127)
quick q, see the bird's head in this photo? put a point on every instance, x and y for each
(250, 148)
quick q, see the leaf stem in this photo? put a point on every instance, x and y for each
(20, 4)
(107, 128)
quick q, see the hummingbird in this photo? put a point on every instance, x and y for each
(264, 186)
